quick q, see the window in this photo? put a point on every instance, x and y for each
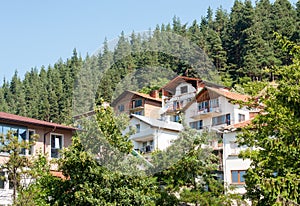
(10, 182)
(137, 103)
(237, 176)
(138, 128)
(176, 118)
(139, 112)
(183, 89)
(214, 103)
(223, 119)
(241, 117)
(202, 105)
(197, 125)
(121, 107)
(31, 149)
(2, 181)
(56, 141)
(19, 132)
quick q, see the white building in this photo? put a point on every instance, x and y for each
(152, 134)
(234, 167)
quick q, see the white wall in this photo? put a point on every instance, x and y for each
(161, 137)
(232, 162)
(225, 107)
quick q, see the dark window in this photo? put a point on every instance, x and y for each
(183, 89)
(197, 125)
(202, 105)
(139, 112)
(2, 180)
(56, 145)
(237, 176)
(137, 103)
(121, 107)
(31, 133)
(223, 119)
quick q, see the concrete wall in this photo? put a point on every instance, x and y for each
(231, 161)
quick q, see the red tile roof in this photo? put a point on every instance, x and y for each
(20, 119)
(239, 125)
(146, 96)
(229, 94)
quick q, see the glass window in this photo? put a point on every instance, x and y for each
(197, 125)
(237, 176)
(241, 117)
(31, 150)
(223, 119)
(214, 103)
(137, 103)
(56, 145)
(202, 105)
(121, 107)
(138, 128)
(183, 89)
(2, 180)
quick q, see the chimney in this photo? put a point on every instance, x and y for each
(154, 94)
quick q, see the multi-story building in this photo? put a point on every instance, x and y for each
(153, 134)
(130, 102)
(234, 167)
(52, 138)
(179, 92)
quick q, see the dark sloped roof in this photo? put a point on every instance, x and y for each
(20, 119)
(146, 96)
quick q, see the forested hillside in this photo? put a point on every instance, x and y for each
(240, 43)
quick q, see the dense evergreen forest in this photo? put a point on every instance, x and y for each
(241, 44)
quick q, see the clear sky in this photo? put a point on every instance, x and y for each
(35, 33)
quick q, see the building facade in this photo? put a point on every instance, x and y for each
(52, 138)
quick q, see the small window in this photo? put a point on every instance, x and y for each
(137, 103)
(202, 106)
(2, 174)
(139, 112)
(121, 107)
(183, 89)
(237, 176)
(241, 117)
(197, 125)
(138, 128)
(10, 182)
(56, 145)
(223, 119)
(31, 149)
(214, 103)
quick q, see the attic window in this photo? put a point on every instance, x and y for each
(183, 89)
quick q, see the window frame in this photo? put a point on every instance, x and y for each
(241, 117)
(238, 176)
(62, 144)
(184, 89)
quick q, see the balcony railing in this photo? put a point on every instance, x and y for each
(207, 112)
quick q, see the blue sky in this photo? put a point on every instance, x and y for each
(35, 33)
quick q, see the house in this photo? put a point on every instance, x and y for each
(52, 138)
(131, 102)
(152, 134)
(214, 108)
(179, 92)
(234, 167)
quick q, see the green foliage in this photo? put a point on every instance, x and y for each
(189, 169)
(17, 165)
(273, 178)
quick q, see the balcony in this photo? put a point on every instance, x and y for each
(207, 112)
